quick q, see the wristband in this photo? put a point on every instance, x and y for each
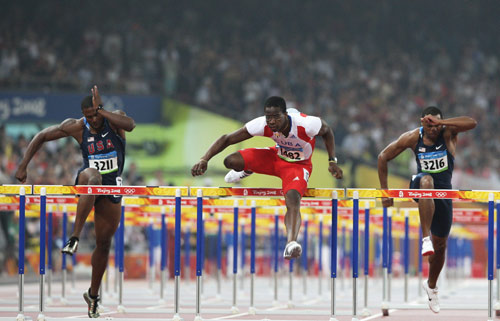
(332, 160)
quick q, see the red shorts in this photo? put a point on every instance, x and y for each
(266, 161)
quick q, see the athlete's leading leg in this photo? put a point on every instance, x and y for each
(292, 224)
(89, 176)
(426, 206)
(106, 218)
(235, 162)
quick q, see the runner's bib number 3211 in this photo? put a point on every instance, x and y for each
(104, 163)
(434, 162)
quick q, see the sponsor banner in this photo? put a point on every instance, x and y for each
(14, 189)
(111, 190)
(424, 193)
(35, 107)
(266, 192)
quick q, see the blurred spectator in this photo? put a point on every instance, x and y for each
(158, 179)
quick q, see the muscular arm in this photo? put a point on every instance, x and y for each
(119, 121)
(69, 127)
(327, 134)
(459, 124)
(218, 146)
(453, 127)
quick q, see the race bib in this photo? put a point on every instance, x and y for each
(434, 162)
(290, 154)
(104, 163)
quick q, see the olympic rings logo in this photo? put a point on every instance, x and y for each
(129, 190)
(441, 194)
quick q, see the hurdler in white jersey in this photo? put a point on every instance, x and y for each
(290, 159)
(298, 145)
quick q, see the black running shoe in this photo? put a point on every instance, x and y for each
(70, 246)
(93, 304)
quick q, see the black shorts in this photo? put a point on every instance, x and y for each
(443, 210)
(106, 180)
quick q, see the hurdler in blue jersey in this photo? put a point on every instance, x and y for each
(101, 136)
(434, 145)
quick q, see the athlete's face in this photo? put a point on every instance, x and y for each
(94, 119)
(276, 120)
(431, 129)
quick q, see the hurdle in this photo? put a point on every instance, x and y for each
(111, 190)
(490, 196)
(332, 203)
(99, 191)
(252, 192)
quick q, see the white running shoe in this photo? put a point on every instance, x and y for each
(432, 294)
(234, 176)
(292, 250)
(427, 248)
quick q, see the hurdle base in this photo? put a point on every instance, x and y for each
(235, 310)
(198, 318)
(496, 307)
(385, 308)
(365, 312)
(120, 308)
(20, 317)
(354, 319)
(63, 301)
(333, 319)
(276, 303)
(252, 311)
(48, 300)
(290, 304)
(162, 302)
(41, 317)
(177, 317)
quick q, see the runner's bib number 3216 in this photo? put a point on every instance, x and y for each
(434, 162)
(104, 163)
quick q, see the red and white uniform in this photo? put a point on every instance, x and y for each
(290, 159)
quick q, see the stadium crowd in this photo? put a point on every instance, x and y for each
(359, 64)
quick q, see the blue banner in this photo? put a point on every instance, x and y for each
(39, 107)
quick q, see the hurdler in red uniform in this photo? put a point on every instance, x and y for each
(290, 159)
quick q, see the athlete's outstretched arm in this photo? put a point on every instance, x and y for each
(218, 146)
(118, 119)
(456, 124)
(69, 127)
(407, 140)
(327, 134)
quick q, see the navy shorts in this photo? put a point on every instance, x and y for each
(106, 180)
(443, 210)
